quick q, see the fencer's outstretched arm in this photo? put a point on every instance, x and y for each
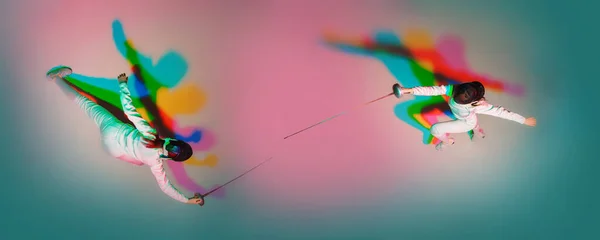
(484, 107)
(429, 91)
(165, 185)
(132, 114)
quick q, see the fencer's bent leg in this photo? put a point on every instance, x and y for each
(441, 129)
(108, 124)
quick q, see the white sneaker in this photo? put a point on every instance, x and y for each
(443, 145)
(479, 133)
(58, 72)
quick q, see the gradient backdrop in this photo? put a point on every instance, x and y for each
(235, 77)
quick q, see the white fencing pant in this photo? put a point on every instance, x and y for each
(108, 124)
(441, 130)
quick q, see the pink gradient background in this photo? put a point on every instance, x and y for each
(289, 80)
(365, 175)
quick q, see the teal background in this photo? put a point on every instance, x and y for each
(557, 179)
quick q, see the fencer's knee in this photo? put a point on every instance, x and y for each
(435, 130)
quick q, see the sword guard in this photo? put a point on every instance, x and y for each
(397, 90)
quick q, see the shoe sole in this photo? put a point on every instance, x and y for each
(61, 71)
